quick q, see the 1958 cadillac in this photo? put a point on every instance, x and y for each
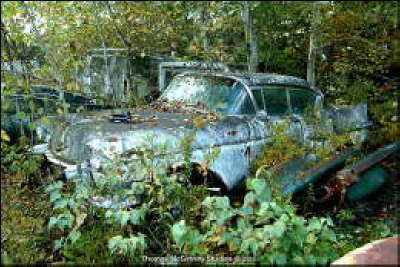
(231, 112)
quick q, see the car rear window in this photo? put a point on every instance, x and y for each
(301, 99)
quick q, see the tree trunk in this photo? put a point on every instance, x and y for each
(54, 64)
(395, 42)
(312, 52)
(203, 32)
(251, 40)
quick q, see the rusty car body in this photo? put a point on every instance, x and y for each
(230, 112)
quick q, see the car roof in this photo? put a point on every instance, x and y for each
(255, 79)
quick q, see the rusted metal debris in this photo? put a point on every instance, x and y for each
(369, 161)
(339, 184)
(296, 174)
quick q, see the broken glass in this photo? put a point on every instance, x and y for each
(213, 92)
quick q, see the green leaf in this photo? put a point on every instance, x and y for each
(113, 243)
(298, 260)
(207, 202)
(58, 244)
(21, 115)
(249, 246)
(74, 236)
(276, 230)
(82, 191)
(243, 225)
(249, 200)
(72, 204)
(222, 202)
(280, 258)
(138, 243)
(230, 239)
(32, 126)
(4, 136)
(300, 232)
(65, 219)
(328, 235)
(221, 215)
(54, 186)
(137, 188)
(245, 211)
(311, 238)
(123, 217)
(194, 238)
(45, 121)
(54, 196)
(262, 190)
(216, 202)
(314, 225)
(137, 216)
(311, 260)
(109, 213)
(178, 233)
(40, 111)
(52, 222)
(329, 221)
(265, 213)
(60, 204)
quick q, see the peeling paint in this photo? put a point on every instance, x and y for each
(85, 141)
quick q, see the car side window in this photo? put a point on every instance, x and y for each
(301, 100)
(272, 99)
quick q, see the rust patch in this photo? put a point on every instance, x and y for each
(112, 139)
(338, 185)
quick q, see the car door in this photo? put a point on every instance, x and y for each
(353, 120)
(231, 134)
(277, 104)
(305, 104)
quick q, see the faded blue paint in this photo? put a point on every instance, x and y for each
(87, 140)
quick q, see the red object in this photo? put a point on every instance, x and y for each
(384, 251)
(382, 213)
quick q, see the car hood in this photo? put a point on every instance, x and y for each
(74, 137)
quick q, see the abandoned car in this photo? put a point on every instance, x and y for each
(41, 99)
(229, 112)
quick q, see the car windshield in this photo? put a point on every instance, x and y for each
(215, 93)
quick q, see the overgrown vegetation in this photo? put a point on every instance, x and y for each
(23, 225)
(17, 165)
(175, 217)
